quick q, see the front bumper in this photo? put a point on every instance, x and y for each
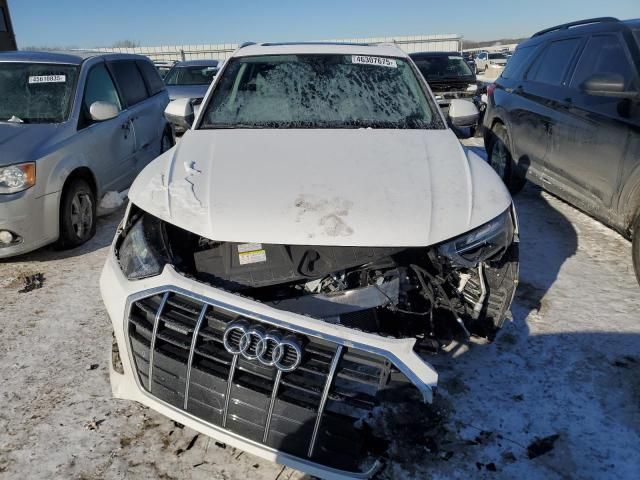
(33, 218)
(121, 296)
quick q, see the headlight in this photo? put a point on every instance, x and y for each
(142, 252)
(16, 178)
(481, 244)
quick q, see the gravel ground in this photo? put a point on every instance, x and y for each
(557, 395)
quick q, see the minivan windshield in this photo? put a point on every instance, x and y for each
(36, 92)
(319, 91)
(192, 75)
(443, 66)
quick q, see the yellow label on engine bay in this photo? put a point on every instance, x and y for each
(251, 253)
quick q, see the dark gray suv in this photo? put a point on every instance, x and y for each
(565, 114)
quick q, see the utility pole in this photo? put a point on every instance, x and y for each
(7, 37)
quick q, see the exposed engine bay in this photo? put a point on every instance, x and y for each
(462, 287)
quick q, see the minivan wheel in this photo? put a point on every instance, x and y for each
(635, 248)
(501, 160)
(77, 214)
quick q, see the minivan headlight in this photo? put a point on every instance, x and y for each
(16, 178)
(142, 252)
(482, 243)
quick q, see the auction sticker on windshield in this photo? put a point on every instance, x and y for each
(47, 79)
(378, 61)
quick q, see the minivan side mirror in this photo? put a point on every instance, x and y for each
(463, 113)
(606, 85)
(101, 111)
(180, 112)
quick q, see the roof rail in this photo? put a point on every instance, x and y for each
(566, 26)
(246, 44)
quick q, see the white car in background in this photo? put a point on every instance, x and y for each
(490, 63)
(289, 268)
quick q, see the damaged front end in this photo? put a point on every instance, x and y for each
(315, 393)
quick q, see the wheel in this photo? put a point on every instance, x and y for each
(635, 248)
(166, 142)
(77, 214)
(500, 159)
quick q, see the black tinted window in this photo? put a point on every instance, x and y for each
(604, 54)
(3, 21)
(518, 62)
(130, 81)
(152, 77)
(551, 66)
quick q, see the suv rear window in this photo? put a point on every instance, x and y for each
(552, 65)
(130, 81)
(151, 76)
(603, 54)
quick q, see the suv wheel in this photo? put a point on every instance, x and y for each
(77, 214)
(500, 159)
(635, 248)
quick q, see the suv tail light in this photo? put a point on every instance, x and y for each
(490, 89)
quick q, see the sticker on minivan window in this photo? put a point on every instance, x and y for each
(47, 79)
(377, 61)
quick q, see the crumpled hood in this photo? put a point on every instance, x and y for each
(361, 187)
(19, 141)
(186, 91)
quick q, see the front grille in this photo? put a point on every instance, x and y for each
(315, 412)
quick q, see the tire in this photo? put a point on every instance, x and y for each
(166, 142)
(500, 159)
(77, 214)
(635, 248)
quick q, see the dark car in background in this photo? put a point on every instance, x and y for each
(565, 114)
(448, 75)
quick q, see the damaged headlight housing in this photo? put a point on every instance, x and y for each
(142, 252)
(482, 243)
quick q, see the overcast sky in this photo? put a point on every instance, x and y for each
(90, 23)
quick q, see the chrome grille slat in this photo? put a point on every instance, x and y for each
(154, 334)
(194, 339)
(272, 402)
(227, 397)
(323, 399)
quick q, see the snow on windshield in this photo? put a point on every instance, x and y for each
(318, 91)
(36, 92)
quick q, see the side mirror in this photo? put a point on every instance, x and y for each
(101, 111)
(607, 85)
(463, 113)
(180, 112)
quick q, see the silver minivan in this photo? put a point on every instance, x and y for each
(73, 128)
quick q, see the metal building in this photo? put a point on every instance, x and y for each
(222, 51)
(7, 37)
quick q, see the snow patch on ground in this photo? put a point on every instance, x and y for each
(113, 200)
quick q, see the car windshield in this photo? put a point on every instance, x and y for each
(319, 91)
(497, 56)
(36, 92)
(192, 75)
(449, 66)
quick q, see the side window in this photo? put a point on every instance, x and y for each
(100, 88)
(151, 76)
(551, 66)
(130, 81)
(604, 54)
(518, 62)
(3, 21)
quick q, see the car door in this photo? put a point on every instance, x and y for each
(534, 120)
(135, 94)
(150, 122)
(109, 145)
(589, 143)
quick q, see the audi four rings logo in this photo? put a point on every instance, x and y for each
(269, 347)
